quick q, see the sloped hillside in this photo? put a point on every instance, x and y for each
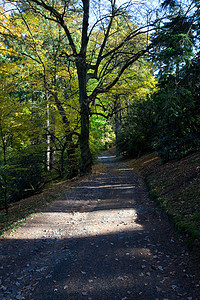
(176, 188)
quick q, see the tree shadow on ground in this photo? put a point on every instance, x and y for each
(139, 258)
(105, 191)
(137, 264)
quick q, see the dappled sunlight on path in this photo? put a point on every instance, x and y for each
(77, 224)
(104, 240)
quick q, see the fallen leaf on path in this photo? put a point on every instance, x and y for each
(120, 277)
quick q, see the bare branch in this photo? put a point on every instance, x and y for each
(99, 58)
(101, 90)
(85, 24)
(59, 19)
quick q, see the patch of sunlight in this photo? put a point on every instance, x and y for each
(119, 280)
(123, 169)
(61, 225)
(132, 253)
(148, 161)
(106, 157)
(111, 186)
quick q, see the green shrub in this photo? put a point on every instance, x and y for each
(177, 127)
(135, 136)
(25, 175)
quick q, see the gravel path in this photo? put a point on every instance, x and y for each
(104, 240)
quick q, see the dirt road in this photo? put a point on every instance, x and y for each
(104, 240)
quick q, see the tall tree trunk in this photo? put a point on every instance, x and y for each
(53, 138)
(48, 154)
(86, 157)
(4, 173)
(118, 122)
(72, 159)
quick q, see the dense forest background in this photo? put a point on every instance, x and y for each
(80, 76)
